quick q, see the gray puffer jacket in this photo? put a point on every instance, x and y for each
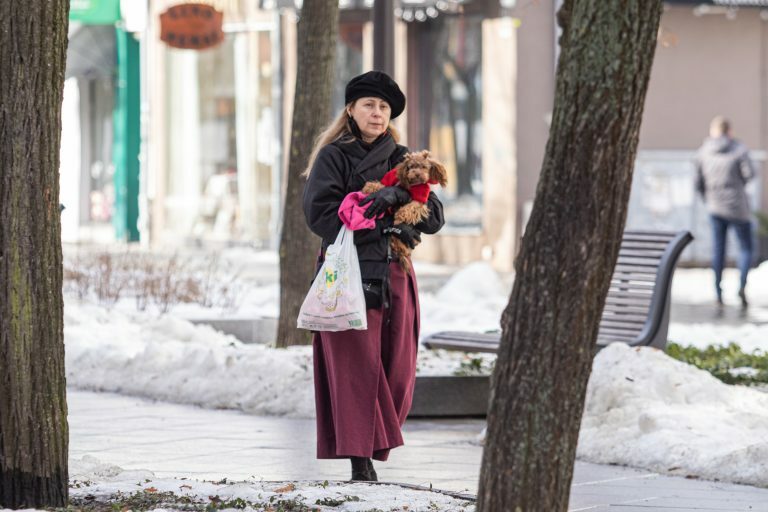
(723, 168)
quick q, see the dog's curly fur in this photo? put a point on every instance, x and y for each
(415, 169)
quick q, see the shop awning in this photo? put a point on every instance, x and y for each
(91, 52)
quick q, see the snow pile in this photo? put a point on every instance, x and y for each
(96, 485)
(472, 300)
(648, 410)
(165, 357)
(89, 468)
(170, 359)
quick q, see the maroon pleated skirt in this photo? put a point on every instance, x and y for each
(364, 379)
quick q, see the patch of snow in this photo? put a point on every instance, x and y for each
(744, 371)
(749, 337)
(168, 358)
(645, 409)
(697, 285)
(99, 486)
(171, 359)
(448, 362)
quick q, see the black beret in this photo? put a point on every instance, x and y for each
(378, 85)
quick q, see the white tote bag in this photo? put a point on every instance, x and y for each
(335, 301)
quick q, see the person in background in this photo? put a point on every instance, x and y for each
(723, 169)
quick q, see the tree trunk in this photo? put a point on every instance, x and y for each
(33, 409)
(568, 252)
(316, 44)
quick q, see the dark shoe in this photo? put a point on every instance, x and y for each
(743, 298)
(360, 471)
(372, 476)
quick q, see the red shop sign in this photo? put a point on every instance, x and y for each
(191, 26)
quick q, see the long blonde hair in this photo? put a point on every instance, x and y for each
(338, 129)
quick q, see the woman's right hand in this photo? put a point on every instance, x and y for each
(384, 199)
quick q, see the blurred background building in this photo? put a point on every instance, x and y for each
(176, 146)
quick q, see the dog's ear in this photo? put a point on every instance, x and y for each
(437, 172)
(401, 171)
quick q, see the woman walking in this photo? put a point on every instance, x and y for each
(364, 379)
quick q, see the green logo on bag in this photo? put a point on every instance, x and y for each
(330, 277)
(355, 323)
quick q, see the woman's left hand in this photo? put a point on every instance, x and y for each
(407, 234)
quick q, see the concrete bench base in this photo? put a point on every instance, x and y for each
(446, 396)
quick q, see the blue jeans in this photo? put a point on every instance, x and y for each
(744, 234)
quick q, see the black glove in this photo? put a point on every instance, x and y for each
(406, 233)
(384, 199)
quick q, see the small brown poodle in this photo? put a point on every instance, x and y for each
(414, 173)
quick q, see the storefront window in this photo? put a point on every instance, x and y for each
(218, 214)
(99, 138)
(220, 133)
(455, 127)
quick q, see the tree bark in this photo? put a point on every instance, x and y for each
(570, 246)
(33, 409)
(316, 45)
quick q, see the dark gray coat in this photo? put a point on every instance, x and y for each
(723, 168)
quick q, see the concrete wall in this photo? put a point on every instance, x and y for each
(705, 66)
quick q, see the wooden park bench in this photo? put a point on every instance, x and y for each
(636, 309)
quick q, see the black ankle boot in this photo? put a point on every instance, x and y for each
(360, 469)
(372, 476)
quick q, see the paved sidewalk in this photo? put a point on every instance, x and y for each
(174, 440)
(731, 315)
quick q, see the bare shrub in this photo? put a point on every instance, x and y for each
(229, 292)
(112, 277)
(141, 281)
(152, 279)
(165, 285)
(209, 280)
(77, 277)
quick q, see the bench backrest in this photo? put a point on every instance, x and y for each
(637, 306)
